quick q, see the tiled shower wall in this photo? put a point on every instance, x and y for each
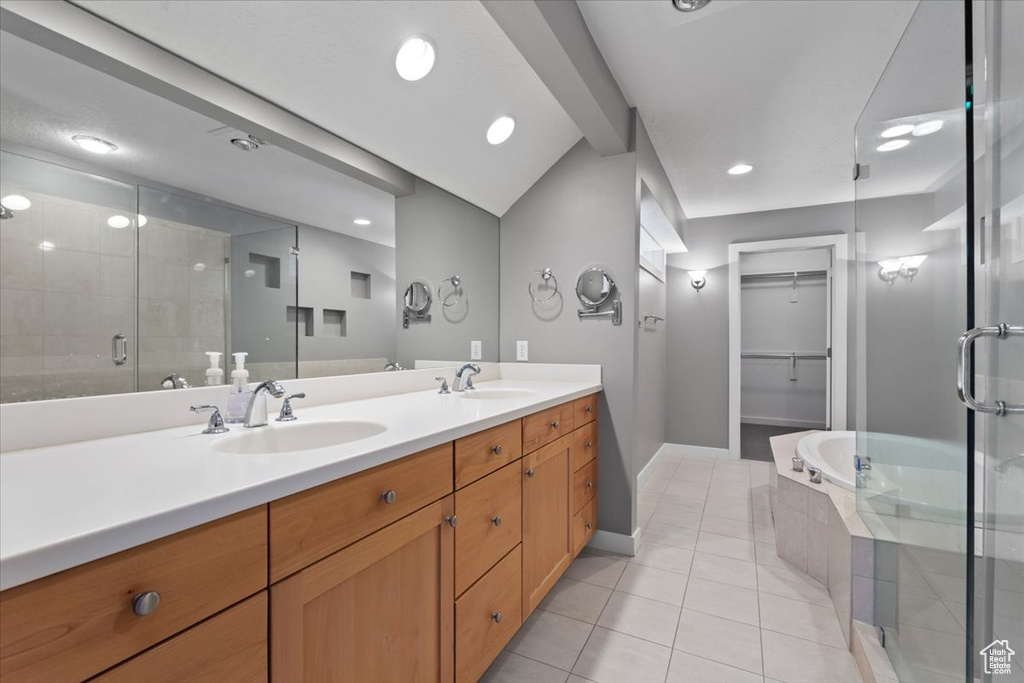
(60, 305)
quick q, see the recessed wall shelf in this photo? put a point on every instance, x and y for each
(268, 269)
(303, 317)
(360, 285)
(335, 323)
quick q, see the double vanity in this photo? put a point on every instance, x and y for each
(399, 537)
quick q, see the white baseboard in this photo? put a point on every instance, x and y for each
(615, 543)
(685, 451)
(782, 422)
(643, 474)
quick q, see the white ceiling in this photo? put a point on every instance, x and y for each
(46, 98)
(778, 84)
(332, 63)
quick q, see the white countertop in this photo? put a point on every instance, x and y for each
(62, 506)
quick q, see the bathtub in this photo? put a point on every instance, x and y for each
(926, 478)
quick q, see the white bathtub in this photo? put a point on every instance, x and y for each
(928, 477)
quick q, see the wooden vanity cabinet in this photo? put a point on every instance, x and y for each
(382, 609)
(547, 519)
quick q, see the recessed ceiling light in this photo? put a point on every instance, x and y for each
(740, 169)
(897, 131)
(15, 202)
(892, 144)
(689, 5)
(362, 221)
(245, 144)
(94, 145)
(119, 222)
(927, 128)
(501, 130)
(415, 58)
(46, 246)
(199, 267)
(142, 220)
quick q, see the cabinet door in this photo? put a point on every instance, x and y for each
(547, 520)
(382, 609)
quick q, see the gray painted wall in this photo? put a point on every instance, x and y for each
(581, 213)
(259, 314)
(698, 322)
(438, 235)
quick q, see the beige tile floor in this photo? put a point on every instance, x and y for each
(705, 600)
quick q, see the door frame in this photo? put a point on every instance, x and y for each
(840, 246)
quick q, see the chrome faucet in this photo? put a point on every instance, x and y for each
(392, 367)
(175, 381)
(464, 381)
(256, 413)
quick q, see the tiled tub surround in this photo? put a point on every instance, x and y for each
(706, 599)
(188, 483)
(819, 531)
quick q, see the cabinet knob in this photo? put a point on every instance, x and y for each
(590, 484)
(497, 617)
(496, 449)
(530, 473)
(590, 409)
(588, 444)
(453, 520)
(554, 425)
(389, 496)
(590, 525)
(146, 603)
(496, 521)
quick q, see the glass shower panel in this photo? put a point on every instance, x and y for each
(911, 225)
(212, 279)
(999, 363)
(67, 282)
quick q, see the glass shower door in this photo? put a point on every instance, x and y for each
(913, 248)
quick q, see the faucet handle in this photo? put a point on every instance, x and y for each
(216, 423)
(444, 385)
(286, 408)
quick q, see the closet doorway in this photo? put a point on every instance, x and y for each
(787, 340)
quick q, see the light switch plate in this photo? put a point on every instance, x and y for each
(476, 350)
(522, 351)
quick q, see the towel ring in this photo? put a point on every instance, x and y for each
(545, 275)
(456, 291)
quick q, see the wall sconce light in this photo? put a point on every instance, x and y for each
(698, 278)
(901, 266)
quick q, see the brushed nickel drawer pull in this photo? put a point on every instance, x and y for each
(496, 449)
(554, 425)
(389, 496)
(453, 520)
(530, 473)
(590, 484)
(146, 603)
(496, 521)
(590, 409)
(590, 525)
(588, 444)
(497, 617)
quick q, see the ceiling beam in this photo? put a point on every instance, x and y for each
(75, 33)
(555, 40)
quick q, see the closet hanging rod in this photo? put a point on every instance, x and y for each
(787, 356)
(783, 274)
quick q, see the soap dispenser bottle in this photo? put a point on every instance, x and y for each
(214, 373)
(238, 398)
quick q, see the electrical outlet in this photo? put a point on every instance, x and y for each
(476, 351)
(522, 351)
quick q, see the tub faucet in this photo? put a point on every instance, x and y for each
(463, 380)
(256, 413)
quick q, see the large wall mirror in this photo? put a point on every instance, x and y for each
(139, 236)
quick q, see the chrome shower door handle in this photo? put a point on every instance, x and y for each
(119, 349)
(963, 362)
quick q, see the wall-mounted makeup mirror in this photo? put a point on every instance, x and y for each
(417, 303)
(594, 289)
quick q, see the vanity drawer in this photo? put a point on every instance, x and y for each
(544, 427)
(487, 617)
(228, 648)
(312, 524)
(480, 454)
(584, 485)
(584, 445)
(584, 524)
(73, 625)
(584, 410)
(490, 513)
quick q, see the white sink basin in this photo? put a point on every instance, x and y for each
(496, 394)
(298, 436)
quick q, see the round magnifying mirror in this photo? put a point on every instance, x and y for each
(594, 287)
(417, 297)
